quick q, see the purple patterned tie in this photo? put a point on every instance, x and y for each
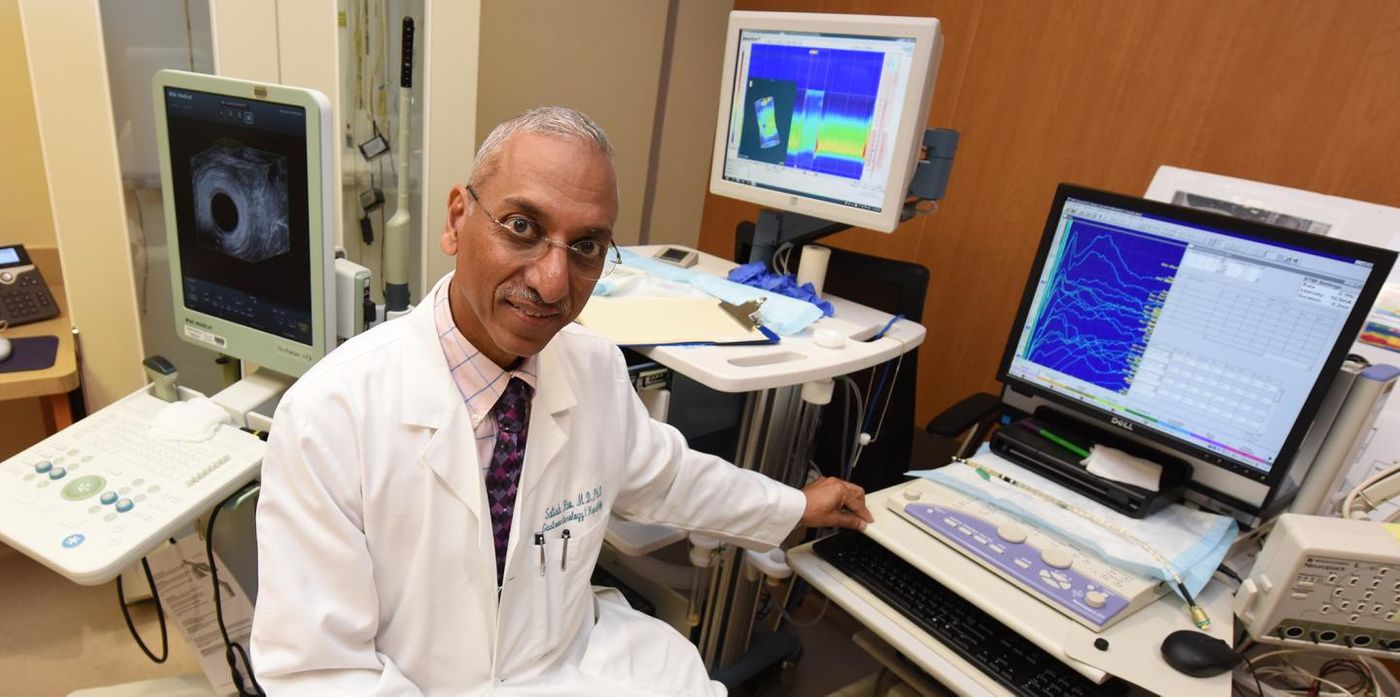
(512, 412)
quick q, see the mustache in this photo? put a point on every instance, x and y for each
(530, 296)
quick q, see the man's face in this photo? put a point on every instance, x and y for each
(506, 306)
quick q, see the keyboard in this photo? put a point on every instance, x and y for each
(93, 498)
(1005, 656)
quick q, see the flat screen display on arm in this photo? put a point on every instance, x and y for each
(1215, 337)
(245, 171)
(824, 114)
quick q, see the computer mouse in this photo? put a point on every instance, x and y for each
(4, 348)
(1198, 654)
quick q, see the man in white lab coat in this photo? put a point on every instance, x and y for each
(436, 491)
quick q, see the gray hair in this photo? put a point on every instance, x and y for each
(558, 121)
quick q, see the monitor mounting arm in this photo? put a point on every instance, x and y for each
(930, 182)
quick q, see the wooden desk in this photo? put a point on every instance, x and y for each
(51, 385)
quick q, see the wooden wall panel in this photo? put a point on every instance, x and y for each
(1302, 94)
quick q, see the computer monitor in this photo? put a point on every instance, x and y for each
(824, 114)
(246, 179)
(1213, 338)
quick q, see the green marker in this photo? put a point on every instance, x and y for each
(1063, 443)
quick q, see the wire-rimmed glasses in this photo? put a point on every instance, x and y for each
(589, 258)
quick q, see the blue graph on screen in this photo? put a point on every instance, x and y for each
(1102, 300)
(834, 104)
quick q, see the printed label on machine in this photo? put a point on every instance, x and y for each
(207, 337)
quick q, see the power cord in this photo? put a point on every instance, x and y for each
(1254, 674)
(233, 651)
(1227, 571)
(160, 614)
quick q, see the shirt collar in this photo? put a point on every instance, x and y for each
(478, 378)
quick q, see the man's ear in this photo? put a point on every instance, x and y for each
(456, 219)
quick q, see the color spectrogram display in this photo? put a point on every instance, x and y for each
(832, 106)
(1101, 303)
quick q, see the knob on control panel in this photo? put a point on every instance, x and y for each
(1057, 558)
(1014, 534)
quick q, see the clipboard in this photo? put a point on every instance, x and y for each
(630, 321)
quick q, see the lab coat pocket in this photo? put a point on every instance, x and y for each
(570, 553)
(641, 654)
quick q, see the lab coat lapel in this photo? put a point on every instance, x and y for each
(429, 399)
(549, 424)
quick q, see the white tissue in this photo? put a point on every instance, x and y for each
(193, 420)
(1114, 464)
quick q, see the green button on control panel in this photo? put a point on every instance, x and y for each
(83, 487)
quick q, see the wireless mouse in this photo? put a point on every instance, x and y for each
(1198, 654)
(4, 349)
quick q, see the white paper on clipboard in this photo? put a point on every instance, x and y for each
(630, 321)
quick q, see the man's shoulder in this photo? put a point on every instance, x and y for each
(359, 361)
(580, 343)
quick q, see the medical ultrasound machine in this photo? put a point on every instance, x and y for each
(246, 182)
(1174, 334)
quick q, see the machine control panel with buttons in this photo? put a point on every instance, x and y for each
(1328, 582)
(1074, 581)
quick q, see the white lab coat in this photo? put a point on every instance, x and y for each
(376, 563)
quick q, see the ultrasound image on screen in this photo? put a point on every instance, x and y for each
(240, 201)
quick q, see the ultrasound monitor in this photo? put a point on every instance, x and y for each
(1210, 337)
(246, 181)
(824, 114)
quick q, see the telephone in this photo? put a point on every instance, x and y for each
(24, 296)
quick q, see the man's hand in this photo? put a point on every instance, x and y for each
(833, 502)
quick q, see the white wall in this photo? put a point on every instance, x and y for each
(451, 77)
(681, 174)
(24, 192)
(602, 58)
(607, 60)
(68, 73)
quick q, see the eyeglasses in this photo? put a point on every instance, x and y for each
(589, 259)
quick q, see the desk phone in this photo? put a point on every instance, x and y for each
(24, 297)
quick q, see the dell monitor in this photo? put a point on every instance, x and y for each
(246, 180)
(1209, 337)
(824, 114)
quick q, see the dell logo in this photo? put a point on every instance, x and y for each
(1121, 423)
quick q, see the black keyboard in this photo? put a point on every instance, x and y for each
(1004, 655)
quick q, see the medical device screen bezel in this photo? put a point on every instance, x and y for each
(228, 337)
(913, 110)
(1381, 260)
